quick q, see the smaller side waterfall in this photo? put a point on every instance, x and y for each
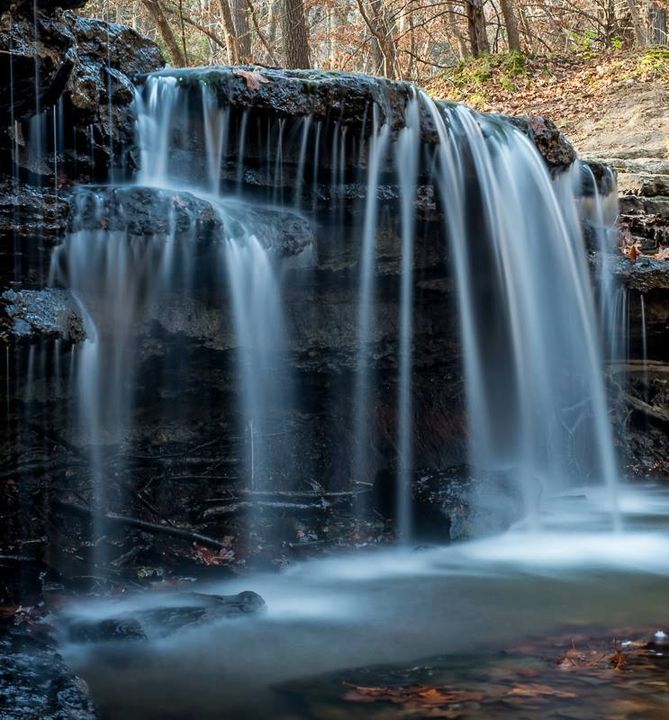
(408, 158)
(117, 281)
(367, 269)
(537, 403)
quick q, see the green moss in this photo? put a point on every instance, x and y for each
(655, 61)
(475, 76)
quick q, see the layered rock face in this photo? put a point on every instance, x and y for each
(78, 88)
(66, 114)
(644, 207)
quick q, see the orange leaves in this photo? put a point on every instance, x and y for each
(424, 700)
(632, 252)
(213, 557)
(253, 78)
(537, 690)
(415, 695)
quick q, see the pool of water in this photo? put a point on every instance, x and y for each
(390, 606)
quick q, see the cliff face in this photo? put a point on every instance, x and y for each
(72, 123)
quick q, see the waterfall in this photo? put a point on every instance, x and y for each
(532, 360)
(360, 472)
(408, 156)
(536, 398)
(131, 249)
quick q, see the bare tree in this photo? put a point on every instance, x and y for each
(230, 32)
(511, 24)
(476, 25)
(294, 32)
(377, 20)
(177, 53)
(240, 15)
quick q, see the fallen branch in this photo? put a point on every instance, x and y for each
(650, 411)
(235, 507)
(639, 366)
(116, 519)
(300, 494)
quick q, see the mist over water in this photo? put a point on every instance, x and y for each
(390, 606)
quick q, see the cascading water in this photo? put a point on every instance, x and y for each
(120, 275)
(408, 158)
(360, 471)
(533, 366)
(537, 409)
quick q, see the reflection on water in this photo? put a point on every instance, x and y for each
(391, 606)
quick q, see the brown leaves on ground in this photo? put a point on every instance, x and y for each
(563, 88)
(209, 557)
(254, 79)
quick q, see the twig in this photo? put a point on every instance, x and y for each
(116, 519)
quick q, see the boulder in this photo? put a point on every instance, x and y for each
(35, 682)
(77, 73)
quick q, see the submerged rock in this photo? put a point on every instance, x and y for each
(106, 630)
(180, 611)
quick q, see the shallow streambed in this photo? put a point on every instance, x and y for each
(464, 603)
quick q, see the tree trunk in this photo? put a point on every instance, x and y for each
(294, 31)
(656, 20)
(381, 29)
(639, 35)
(165, 29)
(476, 24)
(511, 23)
(240, 13)
(455, 31)
(230, 33)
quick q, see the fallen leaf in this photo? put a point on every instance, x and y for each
(253, 78)
(9, 611)
(414, 695)
(533, 690)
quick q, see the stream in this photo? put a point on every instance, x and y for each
(392, 606)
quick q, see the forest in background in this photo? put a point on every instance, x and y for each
(416, 40)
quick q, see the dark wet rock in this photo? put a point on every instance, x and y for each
(107, 630)
(27, 212)
(29, 314)
(644, 275)
(84, 68)
(178, 612)
(144, 212)
(34, 680)
(454, 503)
(346, 100)
(604, 176)
(556, 150)
(149, 212)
